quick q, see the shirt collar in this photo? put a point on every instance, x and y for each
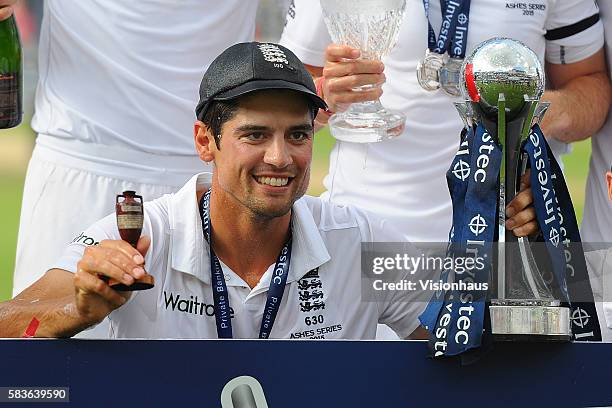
(190, 252)
(187, 240)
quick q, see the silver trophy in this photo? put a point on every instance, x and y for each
(503, 81)
(373, 27)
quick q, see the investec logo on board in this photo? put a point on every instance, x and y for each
(191, 305)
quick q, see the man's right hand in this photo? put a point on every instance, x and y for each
(344, 71)
(115, 259)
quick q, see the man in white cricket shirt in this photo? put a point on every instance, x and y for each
(597, 220)
(113, 111)
(404, 179)
(282, 265)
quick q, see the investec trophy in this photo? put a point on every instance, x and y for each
(373, 27)
(503, 81)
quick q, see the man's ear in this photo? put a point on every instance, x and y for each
(204, 142)
(609, 183)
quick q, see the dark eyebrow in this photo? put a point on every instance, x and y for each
(306, 128)
(252, 128)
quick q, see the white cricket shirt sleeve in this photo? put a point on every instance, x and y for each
(305, 32)
(102, 230)
(574, 31)
(398, 309)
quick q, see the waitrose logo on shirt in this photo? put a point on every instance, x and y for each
(192, 305)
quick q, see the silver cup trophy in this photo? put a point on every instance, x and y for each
(373, 27)
(502, 83)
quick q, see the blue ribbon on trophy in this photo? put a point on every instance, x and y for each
(570, 253)
(457, 317)
(499, 139)
(457, 179)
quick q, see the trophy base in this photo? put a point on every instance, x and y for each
(529, 320)
(144, 283)
(367, 127)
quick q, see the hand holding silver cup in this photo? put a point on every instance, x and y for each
(372, 26)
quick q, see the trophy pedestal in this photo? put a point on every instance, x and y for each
(367, 122)
(529, 320)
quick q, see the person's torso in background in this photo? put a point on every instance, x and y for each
(127, 73)
(597, 222)
(404, 178)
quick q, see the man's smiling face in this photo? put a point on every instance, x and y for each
(265, 152)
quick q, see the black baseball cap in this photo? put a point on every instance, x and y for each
(253, 66)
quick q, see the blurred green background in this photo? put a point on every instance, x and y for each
(16, 145)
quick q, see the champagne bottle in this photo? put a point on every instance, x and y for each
(10, 74)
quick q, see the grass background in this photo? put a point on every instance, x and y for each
(16, 145)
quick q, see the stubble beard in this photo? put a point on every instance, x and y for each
(261, 212)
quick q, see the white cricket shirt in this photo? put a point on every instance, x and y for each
(597, 219)
(322, 298)
(119, 80)
(404, 179)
